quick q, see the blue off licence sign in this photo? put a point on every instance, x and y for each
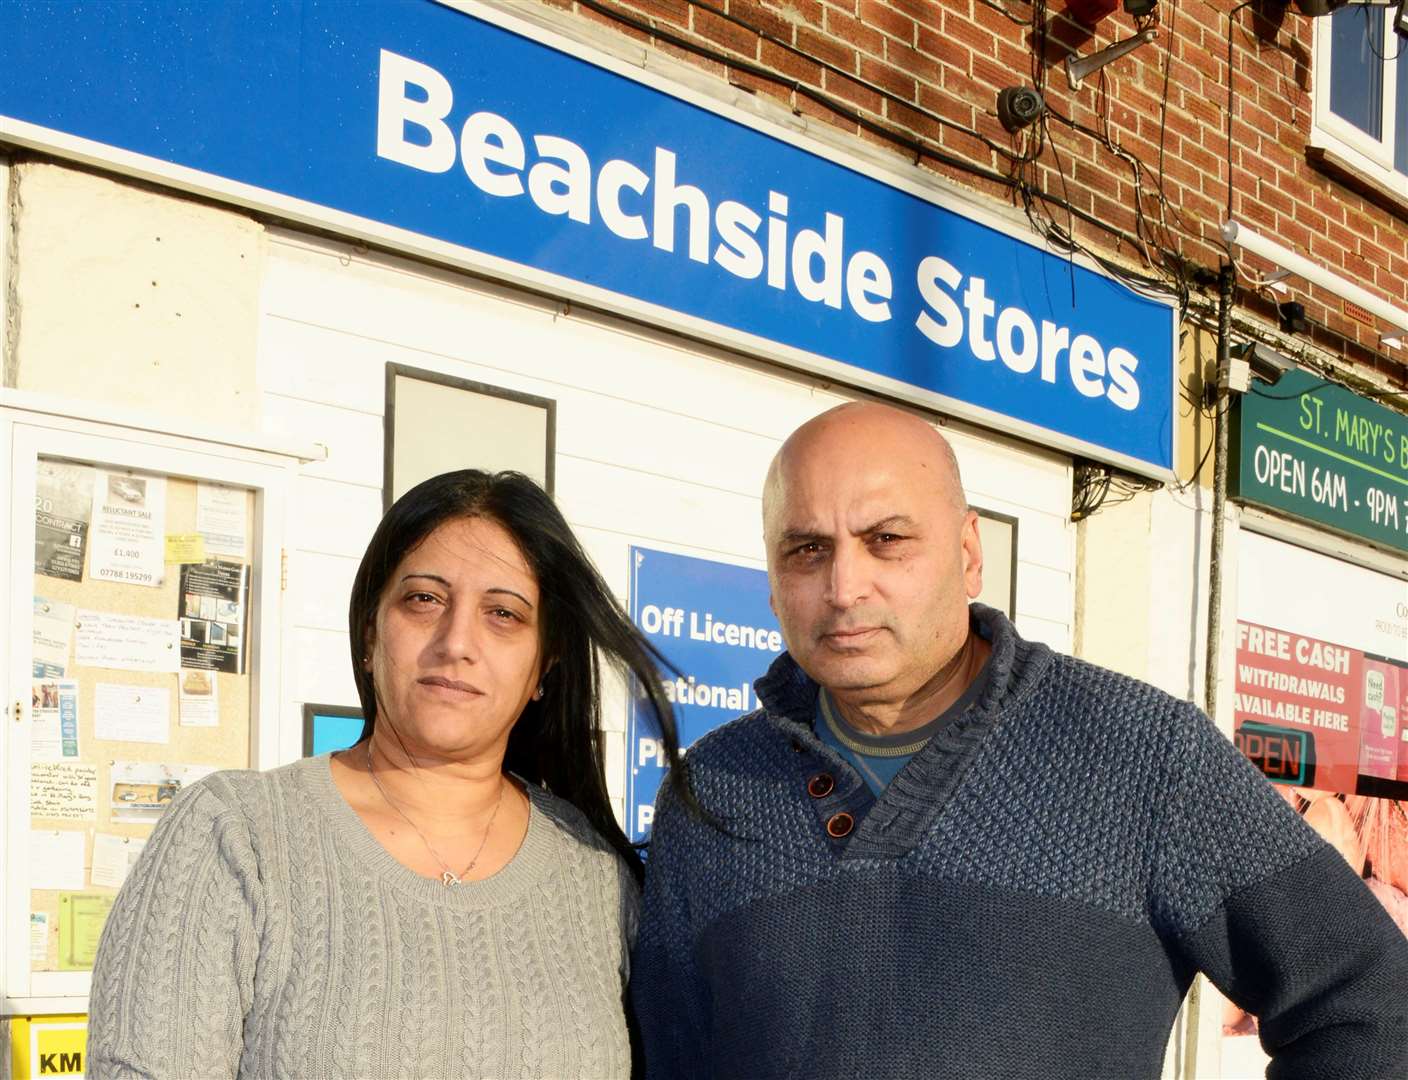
(428, 127)
(712, 621)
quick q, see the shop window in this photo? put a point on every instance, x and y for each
(437, 423)
(999, 537)
(1361, 92)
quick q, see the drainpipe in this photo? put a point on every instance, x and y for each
(1226, 283)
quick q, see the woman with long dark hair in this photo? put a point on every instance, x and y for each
(452, 896)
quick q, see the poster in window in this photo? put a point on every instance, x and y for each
(1321, 698)
(63, 506)
(214, 613)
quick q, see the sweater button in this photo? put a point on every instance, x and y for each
(839, 825)
(821, 785)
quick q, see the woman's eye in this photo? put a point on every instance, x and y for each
(422, 599)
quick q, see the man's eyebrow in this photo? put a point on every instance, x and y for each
(442, 581)
(894, 521)
(885, 524)
(801, 536)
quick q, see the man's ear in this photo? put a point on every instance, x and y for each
(971, 543)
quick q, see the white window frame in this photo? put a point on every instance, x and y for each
(1369, 156)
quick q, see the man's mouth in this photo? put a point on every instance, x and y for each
(851, 637)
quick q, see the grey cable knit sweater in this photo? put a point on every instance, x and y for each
(265, 932)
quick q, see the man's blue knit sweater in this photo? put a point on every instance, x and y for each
(1029, 897)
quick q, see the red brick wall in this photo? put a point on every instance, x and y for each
(949, 58)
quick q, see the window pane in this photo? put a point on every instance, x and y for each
(1356, 70)
(1400, 108)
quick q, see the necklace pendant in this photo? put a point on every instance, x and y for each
(449, 879)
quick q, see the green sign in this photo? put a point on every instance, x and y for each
(1322, 453)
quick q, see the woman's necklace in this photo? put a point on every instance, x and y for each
(448, 877)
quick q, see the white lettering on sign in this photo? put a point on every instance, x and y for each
(414, 102)
(1279, 469)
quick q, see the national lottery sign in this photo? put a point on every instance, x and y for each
(712, 621)
(441, 129)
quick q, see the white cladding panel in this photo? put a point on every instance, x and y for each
(660, 442)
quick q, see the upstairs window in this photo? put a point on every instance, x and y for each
(1361, 92)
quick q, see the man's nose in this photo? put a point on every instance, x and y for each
(849, 579)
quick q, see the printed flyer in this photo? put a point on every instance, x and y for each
(63, 507)
(128, 541)
(214, 607)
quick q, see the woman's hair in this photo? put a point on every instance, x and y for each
(557, 740)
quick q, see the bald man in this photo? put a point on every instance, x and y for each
(940, 850)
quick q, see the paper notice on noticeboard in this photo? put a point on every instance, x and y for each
(127, 642)
(127, 540)
(113, 859)
(63, 505)
(63, 791)
(38, 939)
(221, 518)
(185, 548)
(56, 858)
(142, 790)
(124, 713)
(52, 633)
(81, 919)
(214, 616)
(200, 699)
(53, 712)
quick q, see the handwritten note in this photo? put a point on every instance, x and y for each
(132, 713)
(128, 642)
(63, 791)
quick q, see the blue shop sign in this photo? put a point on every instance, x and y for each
(417, 123)
(712, 621)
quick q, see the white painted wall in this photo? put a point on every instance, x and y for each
(131, 297)
(660, 442)
(1142, 594)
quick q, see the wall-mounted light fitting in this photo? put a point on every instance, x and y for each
(1234, 233)
(1079, 67)
(1276, 281)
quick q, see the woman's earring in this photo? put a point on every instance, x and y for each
(538, 693)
